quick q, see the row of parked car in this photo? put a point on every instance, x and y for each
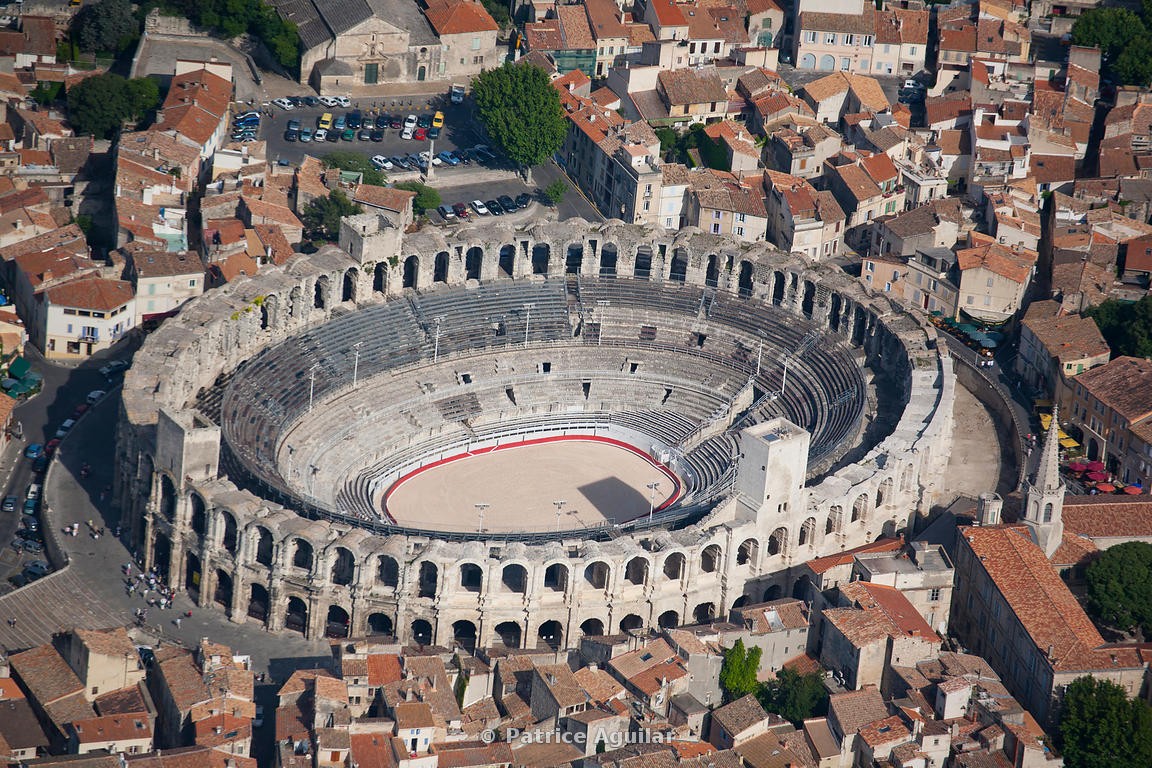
(292, 102)
(422, 160)
(494, 207)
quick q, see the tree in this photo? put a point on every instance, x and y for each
(99, 105)
(108, 25)
(1125, 325)
(738, 671)
(795, 697)
(555, 191)
(1134, 64)
(1109, 28)
(357, 163)
(322, 215)
(1120, 586)
(229, 18)
(1100, 727)
(521, 111)
(427, 199)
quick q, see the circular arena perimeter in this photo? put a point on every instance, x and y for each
(493, 435)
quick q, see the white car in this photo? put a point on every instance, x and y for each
(319, 134)
(65, 427)
(428, 157)
(96, 396)
(912, 84)
(344, 101)
(328, 101)
(34, 492)
(407, 133)
(480, 208)
(410, 122)
(381, 163)
(284, 104)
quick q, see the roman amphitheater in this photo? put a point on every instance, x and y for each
(490, 434)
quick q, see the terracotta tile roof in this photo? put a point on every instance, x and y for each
(114, 728)
(713, 192)
(775, 616)
(415, 714)
(668, 14)
(562, 684)
(598, 684)
(1053, 169)
(913, 26)
(190, 757)
(962, 39)
(466, 754)
(880, 168)
(388, 198)
(1073, 550)
(1013, 264)
(821, 565)
(1124, 385)
(690, 86)
(383, 668)
(649, 680)
(856, 709)
(948, 107)
(740, 715)
(862, 24)
(574, 23)
(1066, 337)
(107, 642)
(858, 183)
(94, 293)
(604, 19)
(68, 239)
(455, 17)
(889, 604)
(231, 729)
(183, 679)
(211, 92)
(262, 212)
(45, 674)
(20, 729)
(887, 731)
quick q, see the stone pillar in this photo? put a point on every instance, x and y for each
(239, 610)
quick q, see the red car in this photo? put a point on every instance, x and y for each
(461, 210)
(80, 411)
(421, 134)
(50, 446)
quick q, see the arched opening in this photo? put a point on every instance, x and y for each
(807, 530)
(643, 269)
(678, 270)
(348, 293)
(192, 576)
(835, 520)
(471, 577)
(337, 622)
(859, 326)
(636, 571)
(514, 578)
(258, 602)
(574, 260)
(320, 292)
(380, 278)
(422, 632)
(1047, 512)
(674, 566)
(507, 263)
(199, 516)
(541, 253)
(429, 575)
(343, 567)
(772, 593)
(668, 620)
(745, 282)
(411, 272)
(836, 307)
(884, 493)
(808, 302)
(380, 624)
(509, 633)
(440, 268)
(906, 478)
(778, 285)
(704, 613)
(556, 577)
(710, 559)
(422, 72)
(860, 508)
(740, 602)
(712, 273)
(827, 62)
(167, 498)
(296, 616)
(551, 634)
(592, 628)
(803, 589)
(464, 634)
(265, 315)
(631, 623)
(1093, 449)
(264, 547)
(302, 555)
(229, 539)
(222, 595)
(473, 263)
(609, 253)
(387, 571)
(778, 542)
(296, 306)
(162, 555)
(748, 552)
(596, 574)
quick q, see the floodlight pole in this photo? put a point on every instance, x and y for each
(527, 321)
(436, 339)
(559, 504)
(356, 362)
(652, 488)
(312, 385)
(480, 508)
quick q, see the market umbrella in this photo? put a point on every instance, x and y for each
(987, 343)
(1095, 466)
(1076, 466)
(1105, 487)
(1133, 490)
(966, 328)
(1097, 477)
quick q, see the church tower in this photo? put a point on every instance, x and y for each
(1044, 494)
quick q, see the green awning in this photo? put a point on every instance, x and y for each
(18, 367)
(966, 328)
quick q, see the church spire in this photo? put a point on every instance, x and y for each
(1047, 479)
(1044, 496)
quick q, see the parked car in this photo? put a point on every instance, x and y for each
(427, 157)
(251, 121)
(916, 84)
(507, 203)
(284, 104)
(325, 121)
(247, 115)
(396, 122)
(411, 122)
(33, 546)
(310, 101)
(368, 123)
(18, 580)
(494, 208)
(294, 124)
(30, 524)
(333, 136)
(95, 396)
(438, 120)
(307, 135)
(364, 135)
(407, 133)
(291, 135)
(38, 568)
(80, 410)
(51, 446)
(381, 163)
(30, 506)
(461, 210)
(446, 213)
(329, 101)
(33, 492)
(462, 156)
(340, 123)
(347, 134)
(424, 121)
(480, 208)
(420, 134)
(344, 101)
(377, 136)
(456, 94)
(401, 162)
(65, 428)
(448, 158)
(433, 133)
(523, 200)
(40, 464)
(34, 451)
(355, 119)
(9, 504)
(116, 366)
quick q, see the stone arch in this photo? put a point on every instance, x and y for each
(712, 272)
(162, 556)
(745, 281)
(320, 292)
(265, 548)
(429, 578)
(674, 565)
(229, 538)
(748, 552)
(507, 262)
(643, 267)
(860, 508)
(859, 325)
(514, 578)
(740, 602)
(541, 256)
(348, 290)
(380, 624)
(779, 284)
(778, 542)
(199, 516)
(835, 308)
(807, 531)
(631, 623)
(678, 269)
(556, 577)
(906, 476)
(551, 633)
(835, 521)
(597, 574)
(268, 312)
(884, 493)
(167, 497)
(337, 622)
(296, 615)
(510, 633)
(808, 300)
(296, 302)
(704, 613)
(574, 259)
(1048, 508)
(421, 631)
(473, 263)
(471, 577)
(636, 571)
(609, 255)
(343, 567)
(302, 554)
(380, 277)
(440, 268)
(387, 571)
(827, 62)
(411, 276)
(808, 61)
(222, 595)
(710, 558)
(258, 602)
(772, 593)
(668, 620)
(464, 634)
(592, 628)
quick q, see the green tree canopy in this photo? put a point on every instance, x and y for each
(1126, 325)
(99, 105)
(357, 163)
(108, 25)
(229, 18)
(1120, 586)
(738, 671)
(1110, 29)
(555, 191)
(322, 215)
(795, 697)
(1100, 727)
(426, 199)
(522, 112)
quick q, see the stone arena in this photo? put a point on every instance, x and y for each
(274, 436)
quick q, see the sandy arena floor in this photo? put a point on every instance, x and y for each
(599, 481)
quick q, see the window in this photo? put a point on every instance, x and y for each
(192, 283)
(611, 50)
(970, 300)
(864, 64)
(740, 218)
(716, 214)
(845, 64)
(830, 38)
(476, 43)
(895, 275)
(934, 595)
(887, 286)
(912, 51)
(809, 37)
(991, 282)
(740, 231)
(987, 301)
(716, 48)
(692, 48)
(715, 229)
(849, 39)
(887, 48)
(868, 41)
(151, 289)
(871, 266)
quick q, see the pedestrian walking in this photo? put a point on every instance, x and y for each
(178, 620)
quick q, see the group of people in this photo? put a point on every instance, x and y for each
(145, 583)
